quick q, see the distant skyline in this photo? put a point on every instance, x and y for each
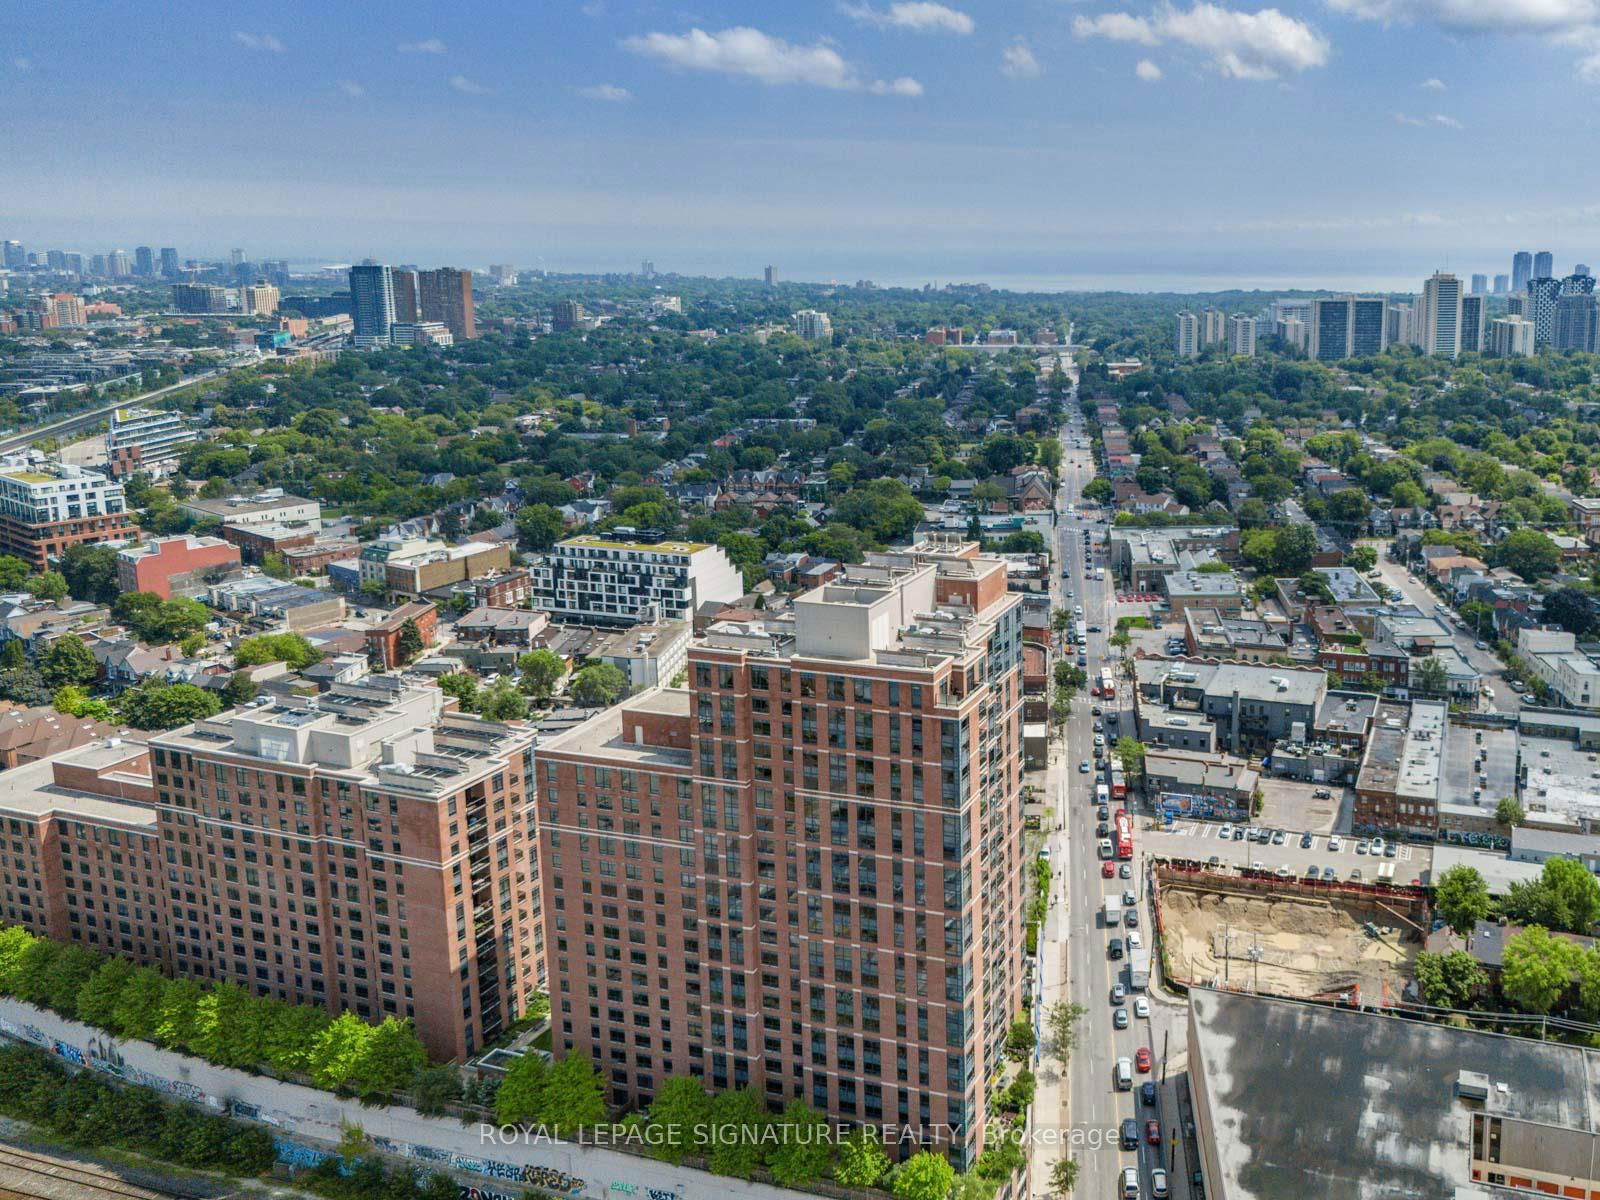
(904, 140)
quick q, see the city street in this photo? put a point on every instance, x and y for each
(1083, 1119)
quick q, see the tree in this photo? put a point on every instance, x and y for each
(48, 585)
(1061, 1024)
(1508, 812)
(541, 670)
(884, 509)
(1449, 980)
(76, 702)
(24, 686)
(802, 1152)
(1430, 677)
(539, 526)
(1537, 969)
(137, 1012)
(737, 1157)
(390, 1057)
(435, 1089)
(1462, 898)
(240, 689)
(501, 701)
(1361, 558)
(463, 685)
(862, 1161)
(1571, 609)
(678, 1119)
(1098, 489)
(926, 1175)
(157, 705)
(69, 661)
(291, 649)
(1529, 553)
(1019, 1039)
(1063, 1176)
(12, 655)
(599, 683)
(408, 643)
(1130, 752)
(98, 998)
(14, 573)
(521, 1095)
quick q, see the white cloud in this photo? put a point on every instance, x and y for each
(259, 41)
(467, 87)
(1147, 70)
(22, 64)
(1475, 16)
(919, 16)
(606, 91)
(1242, 45)
(428, 46)
(756, 55)
(1432, 85)
(1426, 122)
(351, 88)
(1018, 62)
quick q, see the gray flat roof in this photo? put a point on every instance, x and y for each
(1328, 1103)
(1498, 871)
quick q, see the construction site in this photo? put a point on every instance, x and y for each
(1286, 937)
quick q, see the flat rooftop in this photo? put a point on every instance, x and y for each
(602, 733)
(31, 789)
(1481, 760)
(1324, 1103)
(593, 542)
(1498, 871)
(1561, 778)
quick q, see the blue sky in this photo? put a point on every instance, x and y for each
(1361, 140)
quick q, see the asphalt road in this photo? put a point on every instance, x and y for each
(1094, 1109)
(93, 416)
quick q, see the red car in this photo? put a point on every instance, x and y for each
(1108, 869)
(1152, 1132)
(1141, 1060)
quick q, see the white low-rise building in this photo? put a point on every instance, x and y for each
(623, 578)
(1552, 656)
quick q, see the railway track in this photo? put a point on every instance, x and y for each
(25, 1175)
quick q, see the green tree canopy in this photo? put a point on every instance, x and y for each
(926, 1175)
(291, 649)
(599, 683)
(1449, 980)
(69, 661)
(1537, 969)
(1462, 898)
(157, 705)
(541, 670)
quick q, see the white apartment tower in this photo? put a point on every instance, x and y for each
(1242, 335)
(1441, 315)
(1186, 343)
(813, 326)
(1213, 328)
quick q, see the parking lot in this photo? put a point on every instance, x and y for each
(1339, 853)
(1287, 804)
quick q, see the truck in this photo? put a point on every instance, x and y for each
(1113, 912)
(1139, 969)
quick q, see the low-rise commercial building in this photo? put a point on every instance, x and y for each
(1217, 591)
(440, 566)
(177, 566)
(271, 507)
(1251, 705)
(649, 655)
(383, 639)
(1553, 657)
(1397, 789)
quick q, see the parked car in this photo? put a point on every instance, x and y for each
(1305, 841)
(1333, 842)
(1322, 794)
(1108, 869)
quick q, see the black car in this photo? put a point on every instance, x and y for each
(1147, 1092)
(1130, 1134)
(1105, 813)
(1114, 948)
(1102, 830)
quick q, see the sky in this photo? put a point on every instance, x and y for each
(1047, 142)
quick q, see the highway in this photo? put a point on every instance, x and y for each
(93, 416)
(1084, 1116)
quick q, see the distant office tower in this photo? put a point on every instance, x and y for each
(260, 299)
(1242, 335)
(647, 269)
(1296, 310)
(169, 262)
(445, 295)
(1578, 284)
(236, 256)
(1543, 293)
(1441, 315)
(1346, 327)
(118, 264)
(1544, 265)
(16, 258)
(1511, 336)
(1518, 305)
(1472, 323)
(567, 315)
(1581, 269)
(199, 298)
(1293, 331)
(372, 303)
(72, 262)
(407, 305)
(1480, 284)
(1575, 322)
(55, 260)
(771, 276)
(504, 274)
(1213, 327)
(813, 326)
(1502, 284)
(1521, 270)
(144, 262)
(1186, 340)
(98, 265)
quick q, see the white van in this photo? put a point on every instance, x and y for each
(1124, 1075)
